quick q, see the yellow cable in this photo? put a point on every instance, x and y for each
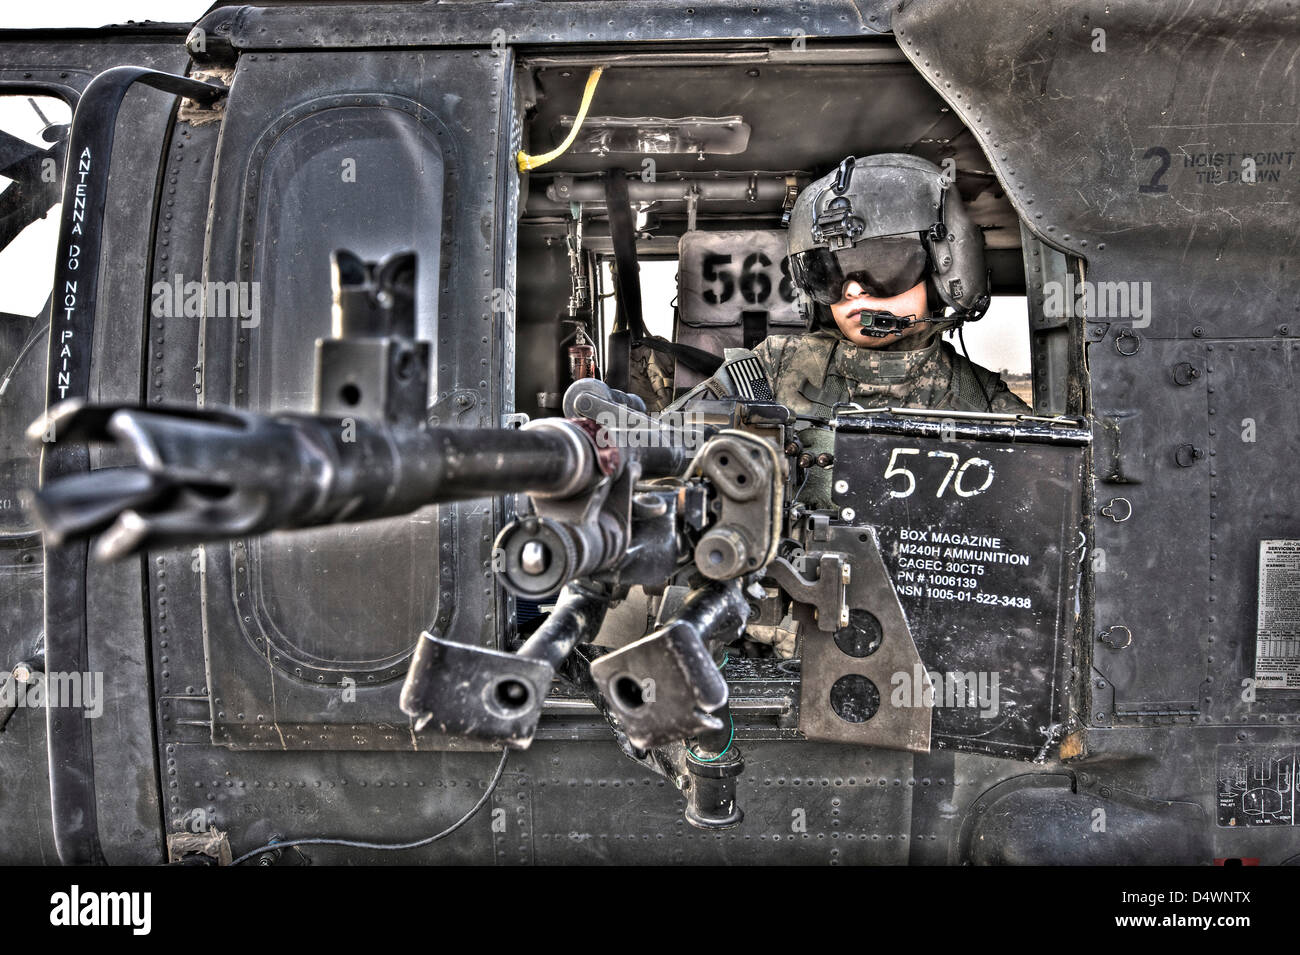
(527, 162)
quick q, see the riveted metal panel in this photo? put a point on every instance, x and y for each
(1169, 89)
(325, 672)
(1159, 508)
(1253, 398)
(982, 540)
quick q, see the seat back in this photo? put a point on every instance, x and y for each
(733, 290)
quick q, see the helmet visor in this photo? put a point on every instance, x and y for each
(884, 267)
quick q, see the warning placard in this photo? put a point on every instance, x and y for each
(1277, 632)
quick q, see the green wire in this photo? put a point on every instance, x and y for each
(730, 739)
(726, 655)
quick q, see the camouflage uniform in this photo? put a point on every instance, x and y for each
(811, 373)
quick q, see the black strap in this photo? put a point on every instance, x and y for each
(755, 326)
(618, 360)
(627, 278)
(622, 234)
(696, 359)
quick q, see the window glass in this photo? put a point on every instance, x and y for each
(369, 179)
(658, 289)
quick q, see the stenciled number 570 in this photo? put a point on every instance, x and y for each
(960, 474)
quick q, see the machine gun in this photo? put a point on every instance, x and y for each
(696, 506)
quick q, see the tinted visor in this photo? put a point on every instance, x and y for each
(884, 267)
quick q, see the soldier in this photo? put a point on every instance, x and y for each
(884, 249)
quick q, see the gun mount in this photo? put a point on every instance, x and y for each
(696, 506)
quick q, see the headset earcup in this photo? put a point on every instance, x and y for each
(968, 267)
(936, 280)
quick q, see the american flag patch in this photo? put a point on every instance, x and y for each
(749, 380)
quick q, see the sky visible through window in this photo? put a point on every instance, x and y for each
(999, 341)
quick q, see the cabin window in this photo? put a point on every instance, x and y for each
(33, 130)
(368, 178)
(1000, 342)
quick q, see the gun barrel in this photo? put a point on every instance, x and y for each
(216, 475)
(552, 458)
